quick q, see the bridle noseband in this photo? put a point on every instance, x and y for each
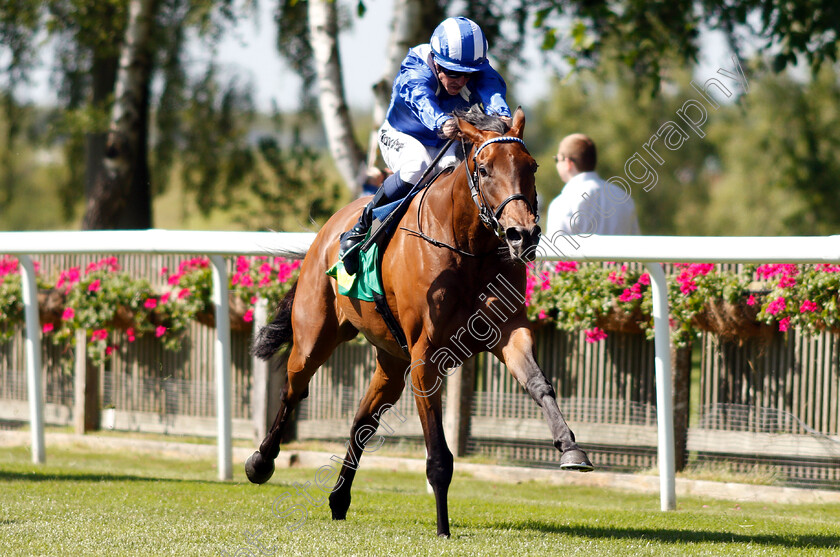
(489, 217)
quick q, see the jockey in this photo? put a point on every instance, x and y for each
(450, 72)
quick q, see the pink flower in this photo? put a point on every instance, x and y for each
(687, 287)
(545, 281)
(99, 334)
(130, 334)
(751, 300)
(164, 297)
(68, 314)
(828, 268)
(566, 266)
(48, 327)
(776, 306)
(242, 264)
(595, 335)
(542, 314)
(8, 266)
(253, 300)
(109, 350)
(776, 269)
(249, 316)
(150, 303)
(616, 278)
(787, 282)
(68, 278)
(784, 324)
(807, 306)
(644, 278)
(183, 293)
(630, 294)
(164, 271)
(94, 286)
(160, 331)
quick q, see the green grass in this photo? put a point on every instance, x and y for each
(118, 503)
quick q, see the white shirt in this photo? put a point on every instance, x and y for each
(589, 205)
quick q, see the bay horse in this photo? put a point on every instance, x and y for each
(463, 232)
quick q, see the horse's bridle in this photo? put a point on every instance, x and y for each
(489, 217)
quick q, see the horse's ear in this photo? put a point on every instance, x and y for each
(517, 127)
(470, 132)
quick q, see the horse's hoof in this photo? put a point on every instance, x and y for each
(258, 468)
(339, 504)
(575, 459)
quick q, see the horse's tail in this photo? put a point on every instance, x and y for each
(278, 332)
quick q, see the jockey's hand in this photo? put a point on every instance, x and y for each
(449, 129)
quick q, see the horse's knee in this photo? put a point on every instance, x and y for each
(539, 387)
(439, 470)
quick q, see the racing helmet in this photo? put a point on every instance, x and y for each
(458, 44)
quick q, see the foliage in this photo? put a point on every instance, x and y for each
(109, 303)
(577, 296)
(641, 35)
(752, 301)
(571, 296)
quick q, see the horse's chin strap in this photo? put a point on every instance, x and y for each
(490, 218)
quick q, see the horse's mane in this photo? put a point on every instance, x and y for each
(476, 116)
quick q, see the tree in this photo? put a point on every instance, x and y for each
(323, 35)
(87, 36)
(124, 178)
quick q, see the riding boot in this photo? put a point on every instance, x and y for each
(349, 240)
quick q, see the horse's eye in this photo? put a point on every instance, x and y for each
(482, 170)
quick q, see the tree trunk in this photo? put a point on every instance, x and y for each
(323, 36)
(121, 196)
(104, 75)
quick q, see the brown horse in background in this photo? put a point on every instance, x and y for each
(450, 274)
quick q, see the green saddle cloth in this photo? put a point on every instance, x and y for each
(365, 283)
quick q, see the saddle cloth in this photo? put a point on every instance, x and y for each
(367, 282)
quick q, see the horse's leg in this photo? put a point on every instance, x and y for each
(316, 335)
(516, 351)
(383, 392)
(260, 466)
(426, 384)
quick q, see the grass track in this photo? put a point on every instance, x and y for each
(116, 503)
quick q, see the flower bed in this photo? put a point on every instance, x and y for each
(109, 303)
(754, 302)
(598, 298)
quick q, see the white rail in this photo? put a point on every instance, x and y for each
(651, 250)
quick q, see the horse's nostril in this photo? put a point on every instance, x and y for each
(513, 235)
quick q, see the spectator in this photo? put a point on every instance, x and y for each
(587, 204)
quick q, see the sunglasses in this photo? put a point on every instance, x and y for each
(452, 74)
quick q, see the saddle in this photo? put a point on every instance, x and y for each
(367, 284)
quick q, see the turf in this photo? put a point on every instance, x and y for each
(117, 503)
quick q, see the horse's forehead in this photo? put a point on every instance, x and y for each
(516, 152)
